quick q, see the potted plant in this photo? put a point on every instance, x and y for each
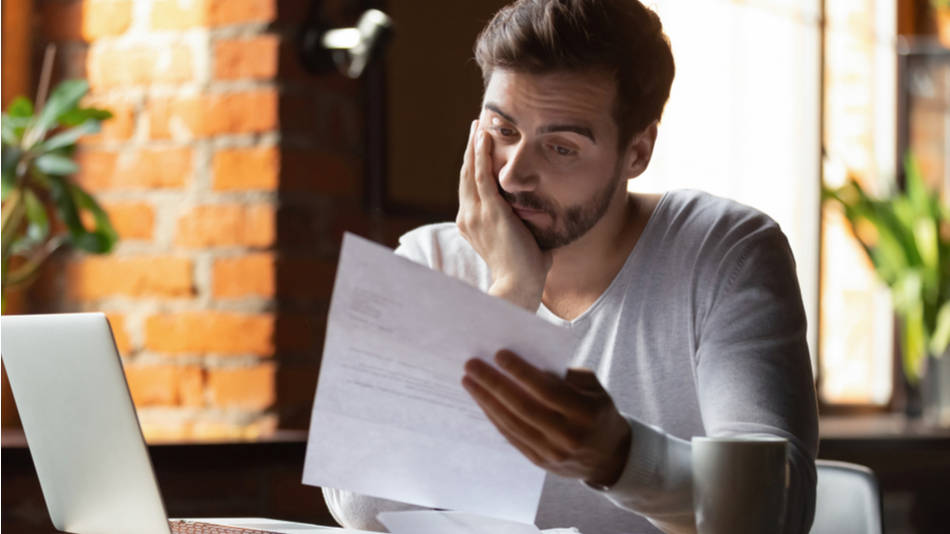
(43, 209)
(906, 235)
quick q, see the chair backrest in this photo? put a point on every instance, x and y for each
(848, 500)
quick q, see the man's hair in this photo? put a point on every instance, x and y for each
(622, 38)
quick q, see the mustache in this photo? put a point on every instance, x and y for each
(527, 200)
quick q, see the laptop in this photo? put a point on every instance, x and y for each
(83, 432)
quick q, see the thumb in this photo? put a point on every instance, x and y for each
(583, 379)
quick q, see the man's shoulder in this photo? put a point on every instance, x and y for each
(444, 233)
(432, 242)
(706, 209)
(712, 220)
(442, 247)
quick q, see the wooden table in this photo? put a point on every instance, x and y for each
(262, 478)
(911, 461)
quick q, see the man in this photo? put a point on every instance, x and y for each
(687, 305)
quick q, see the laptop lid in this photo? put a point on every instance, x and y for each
(80, 424)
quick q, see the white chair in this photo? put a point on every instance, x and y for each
(848, 500)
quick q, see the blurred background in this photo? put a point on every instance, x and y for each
(239, 150)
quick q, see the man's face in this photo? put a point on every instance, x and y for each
(555, 149)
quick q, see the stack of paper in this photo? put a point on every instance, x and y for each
(434, 522)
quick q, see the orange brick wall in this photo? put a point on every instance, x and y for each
(230, 175)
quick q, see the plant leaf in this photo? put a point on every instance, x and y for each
(69, 137)
(66, 206)
(941, 336)
(14, 212)
(55, 164)
(13, 128)
(913, 338)
(21, 106)
(926, 238)
(916, 188)
(28, 271)
(11, 158)
(103, 237)
(906, 292)
(75, 117)
(8, 131)
(38, 229)
(64, 98)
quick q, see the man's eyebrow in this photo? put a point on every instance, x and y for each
(580, 130)
(496, 109)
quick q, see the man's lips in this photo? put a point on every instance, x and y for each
(527, 212)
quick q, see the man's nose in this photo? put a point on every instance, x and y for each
(516, 173)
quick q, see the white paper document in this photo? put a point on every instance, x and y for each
(433, 522)
(391, 418)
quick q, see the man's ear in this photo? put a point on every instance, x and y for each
(639, 151)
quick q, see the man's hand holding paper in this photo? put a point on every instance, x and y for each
(567, 426)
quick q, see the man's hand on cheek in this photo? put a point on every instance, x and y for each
(569, 427)
(486, 221)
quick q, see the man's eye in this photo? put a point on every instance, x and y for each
(563, 151)
(505, 132)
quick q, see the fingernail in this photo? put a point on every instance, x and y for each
(471, 365)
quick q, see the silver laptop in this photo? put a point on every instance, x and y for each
(81, 426)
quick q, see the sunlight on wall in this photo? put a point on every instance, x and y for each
(743, 122)
(743, 117)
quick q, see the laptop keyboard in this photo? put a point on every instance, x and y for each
(196, 527)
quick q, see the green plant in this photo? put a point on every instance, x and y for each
(907, 237)
(940, 4)
(42, 207)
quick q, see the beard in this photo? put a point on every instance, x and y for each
(569, 224)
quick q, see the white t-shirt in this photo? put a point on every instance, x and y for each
(702, 332)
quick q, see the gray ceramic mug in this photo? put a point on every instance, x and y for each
(740, 484)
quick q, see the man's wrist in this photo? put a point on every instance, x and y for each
(522, 295)
(614, 471)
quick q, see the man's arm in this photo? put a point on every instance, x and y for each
(753, 371)
(753, 378)
(518, 266)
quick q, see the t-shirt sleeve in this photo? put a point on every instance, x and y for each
(412, 246)
(753, 369)
(353, 510)
(753, 376)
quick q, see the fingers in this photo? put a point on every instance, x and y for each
(583, 379)
(484, 177)
(550, 389)
(497, 390)
(467, 189)
(517, 433)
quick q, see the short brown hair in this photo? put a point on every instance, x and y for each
(620, 37)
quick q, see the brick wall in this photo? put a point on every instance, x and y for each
(230, 175)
